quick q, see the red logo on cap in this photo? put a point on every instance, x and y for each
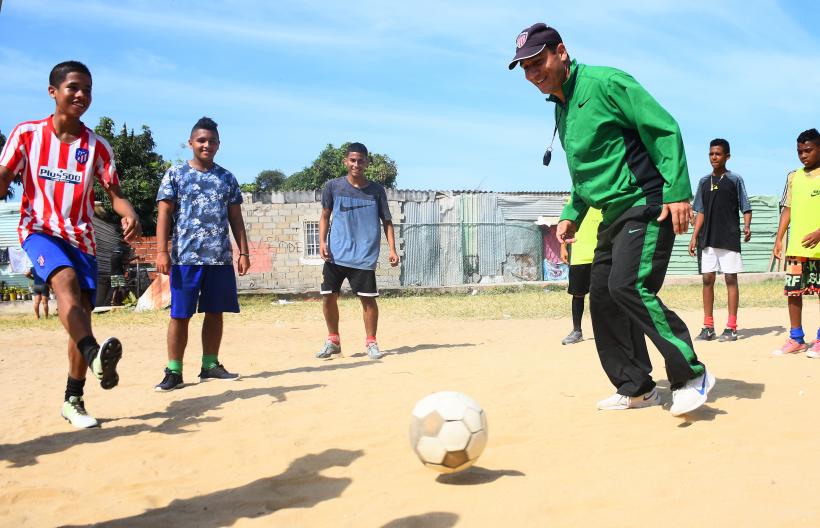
(521, 40)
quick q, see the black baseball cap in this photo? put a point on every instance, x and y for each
(532, 41)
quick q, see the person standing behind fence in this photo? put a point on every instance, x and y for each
(579, 259)
(351, 252)
(204, 200)
(719, 200)
(801, 216)
(40, 293)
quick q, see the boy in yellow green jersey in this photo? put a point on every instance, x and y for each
(580, 270)
(801, 213)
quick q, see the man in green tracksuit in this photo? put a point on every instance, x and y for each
(625, 156)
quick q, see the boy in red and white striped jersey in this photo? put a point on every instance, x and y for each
(59, 158)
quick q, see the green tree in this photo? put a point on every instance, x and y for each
(269, 181)
(330, 165)
(140, 170)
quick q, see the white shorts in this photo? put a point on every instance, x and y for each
(723, 260)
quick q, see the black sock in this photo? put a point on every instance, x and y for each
(577, 312)
(88, 348)
(74, 387)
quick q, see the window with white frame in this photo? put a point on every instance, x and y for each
(311, 239)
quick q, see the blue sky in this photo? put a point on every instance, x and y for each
(425, 82)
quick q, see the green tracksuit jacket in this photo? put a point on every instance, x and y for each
(623, 149)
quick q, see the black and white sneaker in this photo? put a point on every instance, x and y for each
(171, 381)
(217, 372)
(104, 364)
(707, 334)
(730, 334)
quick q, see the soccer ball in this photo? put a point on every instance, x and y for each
(448, 431)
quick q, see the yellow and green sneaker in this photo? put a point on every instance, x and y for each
(74, 411)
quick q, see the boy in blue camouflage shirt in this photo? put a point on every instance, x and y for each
(203, 199)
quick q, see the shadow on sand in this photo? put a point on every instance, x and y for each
(477, 475)
(300, 486)
(324, 367)
(746, 333)
(176, 418)
(729, 388)
(417, 348)
(425, 520)
(724, 388)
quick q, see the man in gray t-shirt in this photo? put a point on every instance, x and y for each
(356, 206)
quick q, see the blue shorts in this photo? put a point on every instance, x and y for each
(213, 288)
(48, 253)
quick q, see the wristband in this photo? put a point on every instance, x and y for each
(244, 255)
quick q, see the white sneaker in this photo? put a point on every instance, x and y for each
(74, 411)
(619, 402)
(692, 395)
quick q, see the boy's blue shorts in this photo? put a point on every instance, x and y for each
(213, 288)
(48, 253)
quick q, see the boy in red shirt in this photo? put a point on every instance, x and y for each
(60, 158)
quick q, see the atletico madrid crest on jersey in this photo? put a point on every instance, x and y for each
(81, 155)
(521, 40)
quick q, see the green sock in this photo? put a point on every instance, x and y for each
(209, 361)
(175, 366)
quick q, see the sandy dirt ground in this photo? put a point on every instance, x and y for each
(303, 442)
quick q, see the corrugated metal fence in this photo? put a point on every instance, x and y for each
(464, 239)
(471, 238)
(756, 253)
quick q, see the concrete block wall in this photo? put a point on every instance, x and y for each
(276, 238)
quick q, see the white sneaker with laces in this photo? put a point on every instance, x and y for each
(74, 411)
(692, 395)
(619, 402)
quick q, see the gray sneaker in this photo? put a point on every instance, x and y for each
(218, 372)
(373, 351)
(576, 336)
(328, 350)
(706, 334)
(728, 335)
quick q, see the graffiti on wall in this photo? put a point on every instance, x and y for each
(263, 252)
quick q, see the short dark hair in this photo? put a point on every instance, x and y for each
(809, 135)
(356, 147)
(720, 142)
(205, 123)
(61, 71)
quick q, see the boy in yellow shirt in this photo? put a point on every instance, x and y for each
(580, 270)
(801, 210)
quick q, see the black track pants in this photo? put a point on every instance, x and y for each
(627, 272)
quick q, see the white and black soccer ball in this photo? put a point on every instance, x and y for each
(448, 431)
